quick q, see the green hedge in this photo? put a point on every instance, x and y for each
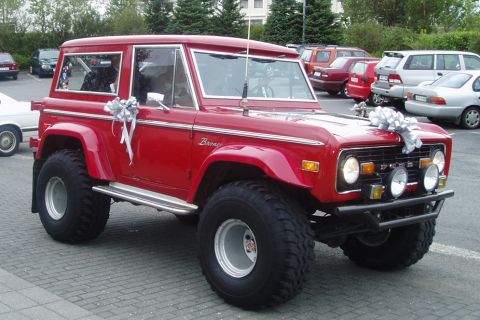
(458, 40)
(22, 60)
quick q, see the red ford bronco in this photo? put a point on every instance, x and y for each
(230, 133)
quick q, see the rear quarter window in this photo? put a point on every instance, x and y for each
(471, 62)
(419, 62)
(322, 56)
(306, 55)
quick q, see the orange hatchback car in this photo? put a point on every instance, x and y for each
(323, 56)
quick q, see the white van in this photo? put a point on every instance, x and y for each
(400, 70)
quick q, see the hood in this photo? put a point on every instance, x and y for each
(346, 129)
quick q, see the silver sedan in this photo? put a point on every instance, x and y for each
(453, 97)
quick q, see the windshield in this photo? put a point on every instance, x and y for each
(5, 58)
(452, 80)
(339, 63)
(389, 62)
(222, 75)
(49, 54)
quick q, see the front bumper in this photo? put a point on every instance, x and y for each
(369, 213)
(432, 110)
(8, 73)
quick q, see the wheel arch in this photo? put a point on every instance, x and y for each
(73, 136)
(233, 163)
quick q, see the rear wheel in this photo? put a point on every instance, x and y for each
(9, 140)
(376, 99)
(471, 118)
(255, 246)
(392, 249)
(332, 93)
(69, 210)
(15, 77)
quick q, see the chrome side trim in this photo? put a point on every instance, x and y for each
(146, 197)
(79, 114)
(265, 136)
(165, 124)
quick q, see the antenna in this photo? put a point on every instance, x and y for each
(244, 101)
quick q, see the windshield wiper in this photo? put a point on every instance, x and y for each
(223, 56)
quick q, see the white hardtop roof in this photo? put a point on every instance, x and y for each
(409, 52)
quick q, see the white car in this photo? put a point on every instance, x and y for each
(17, 124)
(454, 97)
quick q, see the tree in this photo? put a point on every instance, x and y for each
(7, 8)
(322, 25)
(129, 21)
(228, 19)
(191, 17)
(157, 15)
(284, 23)
(386, 12)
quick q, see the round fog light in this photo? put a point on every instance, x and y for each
(397, 182)
(429, 177)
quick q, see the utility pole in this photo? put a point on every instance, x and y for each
(304, 20)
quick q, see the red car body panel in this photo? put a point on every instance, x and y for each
(359, 86)
(172, 156)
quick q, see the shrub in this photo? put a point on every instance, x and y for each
(22, 60)
(458, 40)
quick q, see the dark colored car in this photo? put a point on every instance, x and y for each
(8, 66)
(333, 79)
(44, 62)
(323, 56)
(361, 77)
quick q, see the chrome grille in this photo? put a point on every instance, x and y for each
(381, 157)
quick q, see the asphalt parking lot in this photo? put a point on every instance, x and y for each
(145, 266)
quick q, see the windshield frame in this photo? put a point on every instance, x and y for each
(297, 61)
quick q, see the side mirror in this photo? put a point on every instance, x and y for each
(155, 99)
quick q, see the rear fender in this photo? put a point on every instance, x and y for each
(274, 163)
(96, 157)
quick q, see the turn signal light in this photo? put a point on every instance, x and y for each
(373, 191)
(311, 166)
(410, 95)
(367, 168)
(424, 162)
(442, 181)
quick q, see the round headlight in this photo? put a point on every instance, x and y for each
(397, 182)
(439, 160)
(429, 177)
(351, 170)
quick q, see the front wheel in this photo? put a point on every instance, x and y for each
(471, 118)
(69, 210)
(255, 246)
(392, 249)
(9, 140)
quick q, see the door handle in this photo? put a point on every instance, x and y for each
(440, 74)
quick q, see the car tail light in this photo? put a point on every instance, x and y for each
(394, 79)
(375, 77)
(409, 96)
(437, 100)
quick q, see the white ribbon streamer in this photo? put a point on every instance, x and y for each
(124, 111)
(387, 119)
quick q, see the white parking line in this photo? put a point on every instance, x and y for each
(34, 78)
(454, 251)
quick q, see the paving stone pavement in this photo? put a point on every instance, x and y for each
(145, 266)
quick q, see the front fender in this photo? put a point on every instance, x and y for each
(95, 154)
(274, 163)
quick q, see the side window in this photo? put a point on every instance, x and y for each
(322, 56)
(448, 62)
(344, 54)
(419, 62)
(161, 71)
(358, 54)
(476, 85)
(471, 62)
(90, 73)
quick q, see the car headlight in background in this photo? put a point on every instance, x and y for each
(351, 170)
(429, 177)
(438, 159)
(45, 66)
(397, 182)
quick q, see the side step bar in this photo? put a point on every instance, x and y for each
(148, 198)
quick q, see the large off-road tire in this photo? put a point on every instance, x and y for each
(256, 245)
(471, 118)
(394, 249)
(69, 210)
(9, 140)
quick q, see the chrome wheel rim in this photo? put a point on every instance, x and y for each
(7, 141)
(377, 99)
(472, 118)
(235, 248)
(56, 198)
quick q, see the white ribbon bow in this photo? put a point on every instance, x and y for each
(387, 119)
(124, 111)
